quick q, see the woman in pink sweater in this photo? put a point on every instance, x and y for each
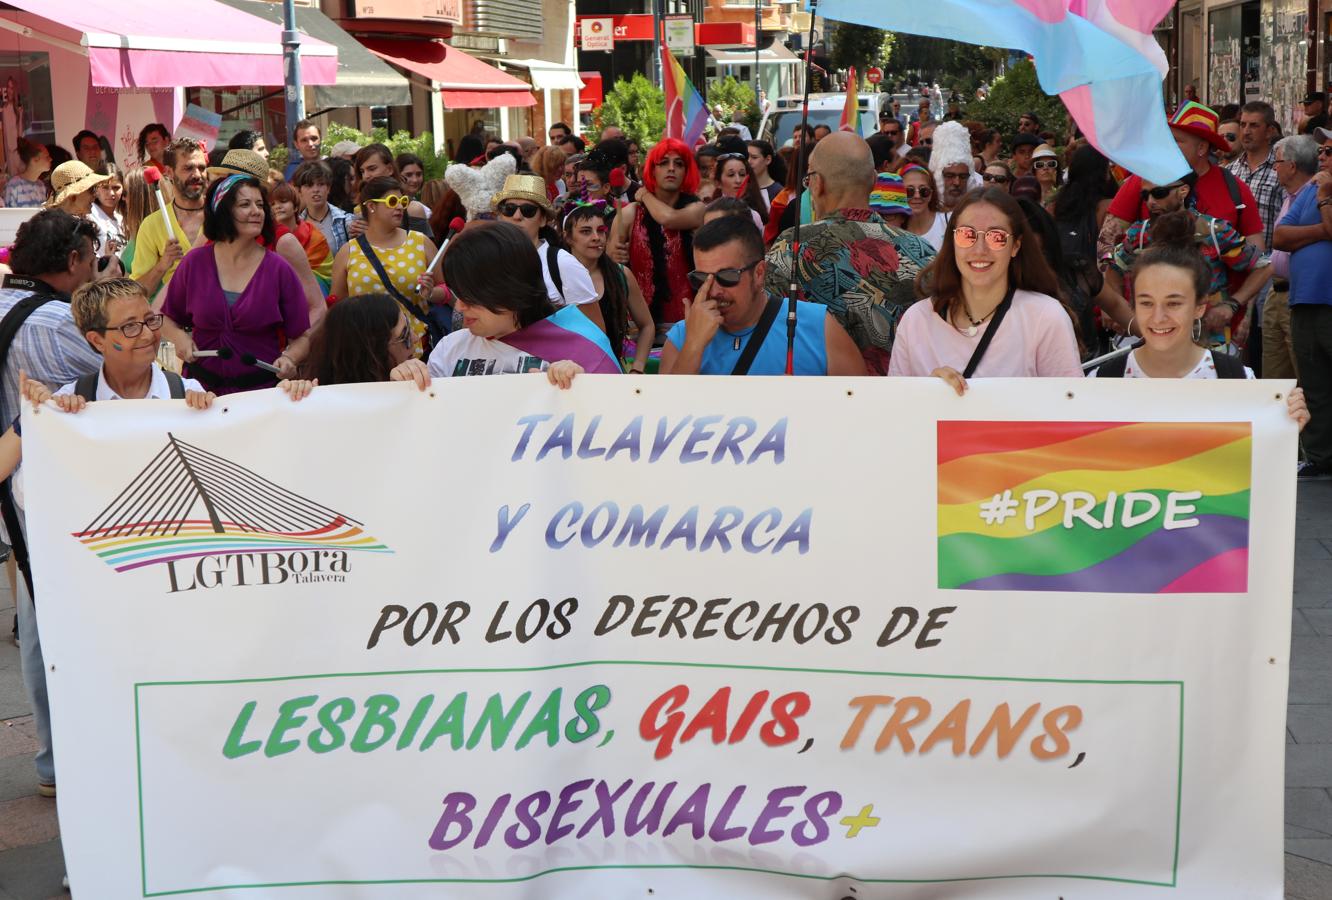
(993, 309)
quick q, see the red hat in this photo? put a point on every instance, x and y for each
(1199, 121)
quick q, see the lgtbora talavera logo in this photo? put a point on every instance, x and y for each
(210, 522)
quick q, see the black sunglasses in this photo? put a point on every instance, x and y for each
(996, 179)
(529, 210)
(725, 277)
(1160, 192)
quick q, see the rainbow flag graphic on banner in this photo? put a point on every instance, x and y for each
(686, 115)
(1106, 507)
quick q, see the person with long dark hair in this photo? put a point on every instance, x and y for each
(153, 140)
(366, 338)
(585, 233)
(736, 179)
(769, 170)
(341, 184)
(509, 322)
(233, 293)
(989, 277)
(653, 235)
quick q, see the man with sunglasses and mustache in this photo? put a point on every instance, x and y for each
(734, 326)
(1229, 255)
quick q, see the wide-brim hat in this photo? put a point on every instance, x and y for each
(524, 187)
(1200, 121)
(240, 162)
(1044, 151)
(69, 179)
(1323, 134)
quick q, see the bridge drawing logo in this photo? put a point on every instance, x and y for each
(188, 503)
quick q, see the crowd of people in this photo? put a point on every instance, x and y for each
(944, 249)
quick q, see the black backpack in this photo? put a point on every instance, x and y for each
(1227, 366)
(86, 387)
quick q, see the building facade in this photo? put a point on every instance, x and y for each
(1233, 52)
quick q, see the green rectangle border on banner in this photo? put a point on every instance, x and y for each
(143, 860)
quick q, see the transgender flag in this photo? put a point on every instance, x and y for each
(1099, 56)
(568, 334)
(686, 116)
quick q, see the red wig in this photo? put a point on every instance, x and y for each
(659, 151)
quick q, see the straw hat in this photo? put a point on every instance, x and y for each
(69, 179)
(240, 162)
(525, 187)
(1044, 151)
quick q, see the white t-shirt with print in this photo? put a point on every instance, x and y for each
(463, 353)
(578, 288)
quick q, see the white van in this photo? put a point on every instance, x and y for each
(783, 117)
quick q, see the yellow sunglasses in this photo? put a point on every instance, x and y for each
(393, 201)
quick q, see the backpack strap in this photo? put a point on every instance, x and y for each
(1113, 368)
(373, 259)
(1233, 188)
(86, 386)
(175, 384)
(1228, 366)
(553, 267)
(757, 337)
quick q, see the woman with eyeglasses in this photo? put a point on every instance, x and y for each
(927, 221)
(119, 323)
(586, 231)
(376, 161)
(522, 202)
(234, 296)
(509, 323)
(736, 179)
(992, 307)
(363, 339)
(388, 259)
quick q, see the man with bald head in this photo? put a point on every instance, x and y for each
(851, 261)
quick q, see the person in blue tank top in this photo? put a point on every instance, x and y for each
(731, 309)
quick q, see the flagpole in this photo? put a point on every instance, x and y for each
(793, 293)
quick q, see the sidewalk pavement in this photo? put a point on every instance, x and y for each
(31, 865)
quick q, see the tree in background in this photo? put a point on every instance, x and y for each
(1013, 94)
(952, 64)
(638, 107)
(860, 46)
(732, 94)
(423, 145)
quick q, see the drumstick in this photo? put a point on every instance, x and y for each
(455, 226)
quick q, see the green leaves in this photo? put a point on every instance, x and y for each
(638, 107)
(1013, 94)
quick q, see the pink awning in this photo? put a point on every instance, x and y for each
(181, 43)
(464, 82)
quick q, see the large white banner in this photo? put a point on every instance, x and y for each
(671, 637)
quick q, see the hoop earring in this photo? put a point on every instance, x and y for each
(1128, 332)
(1197, 331)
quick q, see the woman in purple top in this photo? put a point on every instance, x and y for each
(234, 296)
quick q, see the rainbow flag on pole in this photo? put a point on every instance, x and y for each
(686, 115)
(1099, 56)
(1101, 507)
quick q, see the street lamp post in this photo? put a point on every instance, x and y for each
(758, 31)
(291, 66)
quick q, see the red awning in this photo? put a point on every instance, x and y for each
(465, 82)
